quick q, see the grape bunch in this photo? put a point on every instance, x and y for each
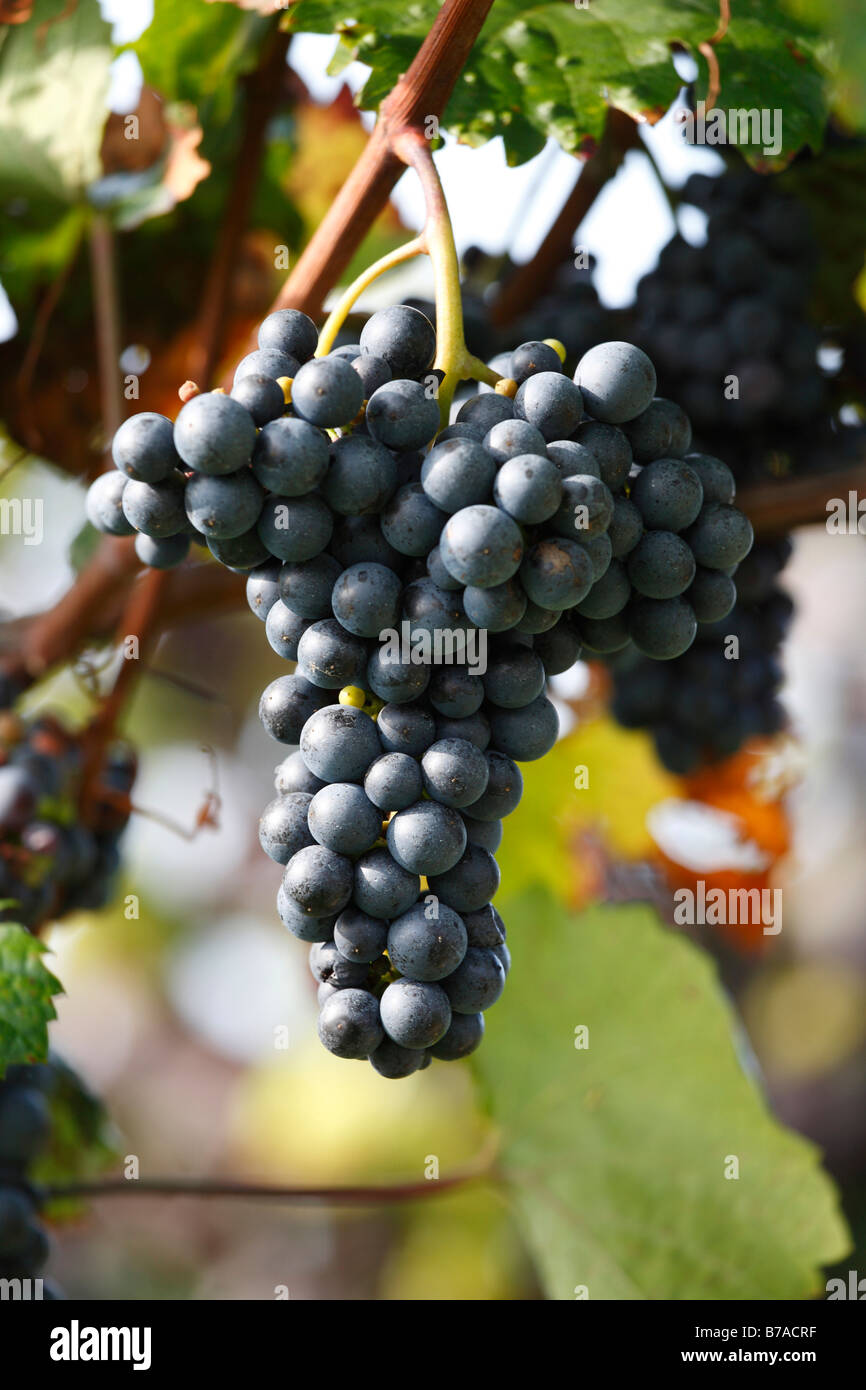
(61, 819)
(736, 310)
(706, 704)
(425, 583)
(25, 1129)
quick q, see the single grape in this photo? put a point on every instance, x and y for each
(661, 628)
(373, 371)
(514, 677)
(426, 838)
(498, 609)
(411, 523)
(163, 553)
(327, 392)
(486, 833)
(394, 1062)
(383, 888)
(477, 982)
(484, 411)
(531, 358)
(284, 630)
(457, 474)
(359, 937)
(214, 434)
(668, 494)
(610, 594)
(551, 403)
(454, 692)
(342, 818)
(441, 577)
(143, 448)
(223, 507)
(393, 782)
(604, 635)
(415, 1013)
(361, 478)
(503, 790)
(263, 588)
(470, 882)
(261, 396)
(290, 331)
(485, 927)
(265, 362)
(509, 438)
(402, 415)
(617, 381)
(366, 599)
(586, 508)
(556, 574)
(290, 457)
(525, 734)
(295, 528)
(104, 504)
(349, 1024)
(559, 648)
(465, 1034)
(481, 546)
(529, 488)
(283, 828)
(426, 947)
(306, 586)
(722, 536)
(156, 509)
(660, 566)
(626, 527)
(239, 553)
(404, 337)
(609, 445)
(406, 729)
(293, 775)
(338, 743)
(287, 704)
(454, 772)
(329, 656)
(318, 880)
(475, 728)
(571, 458)
(394, 680)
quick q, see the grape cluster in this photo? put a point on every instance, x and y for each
(25, 1128)
(705, 705)
(729, 323)
(424, 592)
(60, 819)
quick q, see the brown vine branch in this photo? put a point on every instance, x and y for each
(331, 1196)
(531, 279)
(776, 507)
(106, 311)
(421, 93)
(264, 89)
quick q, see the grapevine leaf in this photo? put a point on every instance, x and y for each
(26, 989)
(619, 1155)
(54, 75)
(553, 68)
(83, 1140)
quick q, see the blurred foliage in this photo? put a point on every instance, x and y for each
(550, 71)
(543, 834)
(616, 1152)
(26, 990)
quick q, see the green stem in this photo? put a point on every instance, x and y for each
(340, 312)
(451, 356)
(479, 371)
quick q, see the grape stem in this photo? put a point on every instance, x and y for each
(346, 302)
(452, 357)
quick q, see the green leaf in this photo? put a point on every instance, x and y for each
(26, 987)
(553, 68)
(54, 75)
(616, 1154)
(196, 53)
(83, 1140)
